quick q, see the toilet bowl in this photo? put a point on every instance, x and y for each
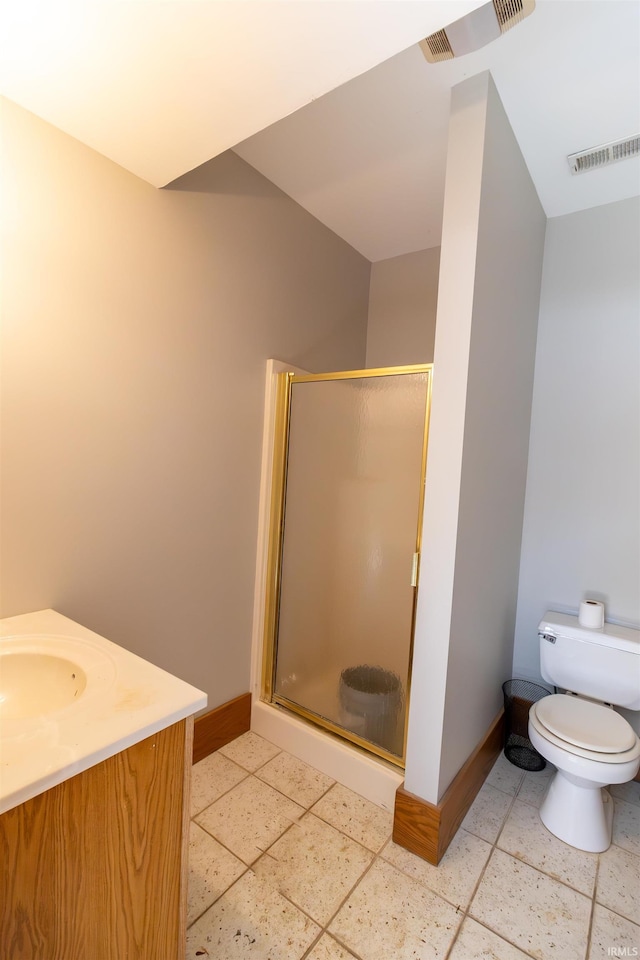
(592, 747)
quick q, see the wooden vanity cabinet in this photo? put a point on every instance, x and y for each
(96, 867)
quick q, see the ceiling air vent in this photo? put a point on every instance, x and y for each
(603, 155)
(477, 29)
(511, 12)
(436, 47)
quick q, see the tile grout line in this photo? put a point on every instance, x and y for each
(593, 908)
(592, 898)
(520, 859)
(287, 797)
(226, 889)
(248, 773)
(624, 850)
(265, 852)
(237, 784)
(501, 936)
(324, 928)
(247, 867)
(242, 766)
(594, 895)
(284, 795)
(549, 876)
(494, 847)
(378, 855)
(254, 773)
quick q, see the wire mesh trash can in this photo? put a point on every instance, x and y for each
(518, 749)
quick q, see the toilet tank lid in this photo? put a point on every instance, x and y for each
(610, 635)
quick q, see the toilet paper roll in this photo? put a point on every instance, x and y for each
(591, 614)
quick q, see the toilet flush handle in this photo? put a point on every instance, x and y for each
(549, 637)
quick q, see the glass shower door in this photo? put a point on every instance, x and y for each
(349, 542)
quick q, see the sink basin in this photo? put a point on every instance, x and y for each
(70, 699)
(35, 684)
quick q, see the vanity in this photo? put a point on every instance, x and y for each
(95, 765)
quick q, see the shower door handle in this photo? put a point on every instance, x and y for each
(414, 570)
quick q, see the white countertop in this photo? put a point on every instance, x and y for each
(126, 699)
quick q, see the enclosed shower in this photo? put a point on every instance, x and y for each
(344, 550)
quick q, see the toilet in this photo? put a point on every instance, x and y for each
(579, 732)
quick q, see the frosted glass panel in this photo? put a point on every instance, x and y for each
(350, 526)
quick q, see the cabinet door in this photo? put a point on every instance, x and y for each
(95, 867)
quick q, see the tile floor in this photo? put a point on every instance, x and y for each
(287, 864)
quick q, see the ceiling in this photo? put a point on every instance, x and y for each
(368, 159)
(161, 86)
(332, 101)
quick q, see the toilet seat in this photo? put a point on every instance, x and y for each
(585, 729)
(589, 725)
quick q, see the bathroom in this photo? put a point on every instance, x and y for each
(132, 440)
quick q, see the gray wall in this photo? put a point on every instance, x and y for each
(581, 532)
(403, 296)
(488, 300)
(137, 325)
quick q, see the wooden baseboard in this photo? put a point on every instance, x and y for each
(221, 725)
(427, 829)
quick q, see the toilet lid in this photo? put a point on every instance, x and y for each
(585, 724)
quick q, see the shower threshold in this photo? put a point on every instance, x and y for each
(372, 777)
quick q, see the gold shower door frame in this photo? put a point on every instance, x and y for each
(284, 383)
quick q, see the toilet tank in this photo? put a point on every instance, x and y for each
(603, 664)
